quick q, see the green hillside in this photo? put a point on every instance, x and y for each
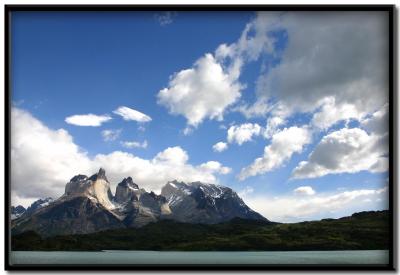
(361, 231)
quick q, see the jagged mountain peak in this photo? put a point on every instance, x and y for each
(78, 178)
(96, 187)
(127, 191)
(17, 211)
(190, 187)
(128, 182)
(199, 202)
(99, 175)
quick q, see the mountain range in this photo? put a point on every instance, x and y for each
(88, 206)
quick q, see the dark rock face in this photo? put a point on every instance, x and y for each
(76, 216)
(100, 175)
(126, 191)
(38, 204)
(138, 206)
(17, 211)
(197, 202)
(88, 206)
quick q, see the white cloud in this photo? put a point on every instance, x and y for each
(43, 160)
(211, 85)
(294, 208)
(130, 114)
(215, 166)
(220, 146)
(254, 40)
(134, 144)
(345, 151)
(283, 145)
(273, 124)
(201, 92)
(187, 131)
(173, 155)
(87, 120)
(331, 113)
(110, 134)
(152, 174)
(304, 190)
(318, 72)
(243, 133)
(259, 109)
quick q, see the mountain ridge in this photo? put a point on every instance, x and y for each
(88, 206)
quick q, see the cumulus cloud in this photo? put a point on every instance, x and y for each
(294, 208)
(345, 151)
(283, 145)
(203, 91)
(215, 166)
(130, 114)
(304, 190)
(317, 72)
(110, 134)
(152, 174)
(243, 133)
(212, 85)
(331, 113)
(220, 146)
(87, 120)
(272, 126)
(134, 144)
(44, 160)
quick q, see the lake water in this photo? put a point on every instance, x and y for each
(156, 257)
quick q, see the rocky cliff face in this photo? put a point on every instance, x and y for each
(37, 205)
(78, 215)
(95, 187)
(127, 191)
(198, 202)
(17, 211)
(137, 206)
(88, 205)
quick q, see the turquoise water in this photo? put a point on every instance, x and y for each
(156, 257)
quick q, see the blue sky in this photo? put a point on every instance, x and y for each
(204, 78)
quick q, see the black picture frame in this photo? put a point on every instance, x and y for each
(390, 9)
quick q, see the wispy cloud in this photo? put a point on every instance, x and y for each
(110, 135)
(294, 208)
(284, 144)
(165, 18)
(131, 114)
(134, 144)
(304, 190)
(87, 120)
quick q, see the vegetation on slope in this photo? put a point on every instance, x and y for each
(361, 231)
